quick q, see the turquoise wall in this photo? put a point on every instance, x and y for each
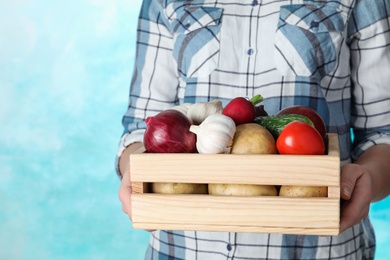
(65, 68)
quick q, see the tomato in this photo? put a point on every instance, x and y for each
(310, 113)
(300, 138)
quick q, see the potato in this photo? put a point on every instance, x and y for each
(250, 138)
(303, 191)
(253, 138)
(178, 188)
(242, 190)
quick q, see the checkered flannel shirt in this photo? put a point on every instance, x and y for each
(332, 56)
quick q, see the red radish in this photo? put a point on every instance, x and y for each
(310, 113)
(168, 132)
(242, 110)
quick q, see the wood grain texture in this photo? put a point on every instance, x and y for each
(221, 213)
(319, 216)
(315, 170)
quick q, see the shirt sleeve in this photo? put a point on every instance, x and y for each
(154, 82)
(370, 73)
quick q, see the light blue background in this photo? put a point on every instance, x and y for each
(65, 68)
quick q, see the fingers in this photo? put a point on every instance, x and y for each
(356, 193)
(124, 194)
(349, 176)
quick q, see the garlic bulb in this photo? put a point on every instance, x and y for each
(182, 108)
(215, 134)
(200, 111)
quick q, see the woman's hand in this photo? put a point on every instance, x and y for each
(125, 193)
(372, 169)
(356, 194)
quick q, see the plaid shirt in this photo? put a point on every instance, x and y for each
(332, 56)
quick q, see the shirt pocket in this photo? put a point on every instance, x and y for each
(308, 39)
(196, 31)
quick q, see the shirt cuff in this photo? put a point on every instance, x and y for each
(126, 140)
(364, 140)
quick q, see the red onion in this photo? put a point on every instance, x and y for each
(168, 132)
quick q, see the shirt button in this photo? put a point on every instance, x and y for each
(250, 51)
(255, 2)
(187, 25)
(229, 247)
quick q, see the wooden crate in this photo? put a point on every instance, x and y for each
(267, 214)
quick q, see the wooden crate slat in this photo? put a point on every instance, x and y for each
(241, 228)
(334, 192)
(227, 168)
(234, 211)
(265, 169)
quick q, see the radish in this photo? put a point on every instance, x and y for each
(242, 110)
